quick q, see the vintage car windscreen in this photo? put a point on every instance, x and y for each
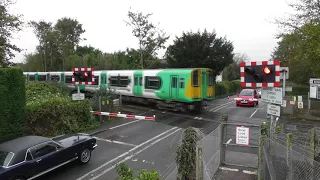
(5, 158)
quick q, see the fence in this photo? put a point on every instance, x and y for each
(289, 158)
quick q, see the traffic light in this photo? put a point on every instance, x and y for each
(82, 76)
(260, 74)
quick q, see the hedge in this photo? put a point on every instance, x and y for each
(51, 111)
(226, 88)
(12, 103)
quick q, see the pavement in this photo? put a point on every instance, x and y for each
(152, 144)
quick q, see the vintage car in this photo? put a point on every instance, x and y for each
(29, 157)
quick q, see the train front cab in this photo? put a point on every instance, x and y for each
(197, 86)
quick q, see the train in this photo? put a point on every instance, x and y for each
(184, 90)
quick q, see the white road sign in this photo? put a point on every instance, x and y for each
(242, 135)
(287, 73)
(77, 96)
(284, 103)
(272, 95)
(300, 104)
(273, 110)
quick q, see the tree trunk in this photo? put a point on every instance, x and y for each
(141, 57)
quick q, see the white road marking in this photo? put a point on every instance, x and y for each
(128, 152)
(250, 172)
(228, 142)
(228, 169)
(220, 106)
(114, 127)
(116, 142)
(254, 112)
(134, 154)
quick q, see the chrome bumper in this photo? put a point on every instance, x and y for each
(94, 146)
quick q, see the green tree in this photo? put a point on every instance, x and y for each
(150, 37)
(9, 24)
(232, 71)
(200, 50)
(125, 173)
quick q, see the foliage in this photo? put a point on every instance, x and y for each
(106, 95)
(200, 50)
(150, 37)
(12, 103)
(50, 111)
(301, 53)
(226, 88)
(9, 25)
(125, 173)
(56, 42)
(186, 155)
(232, 71)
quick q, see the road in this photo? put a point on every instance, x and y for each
(152, 144)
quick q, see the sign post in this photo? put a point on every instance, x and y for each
(284, 75)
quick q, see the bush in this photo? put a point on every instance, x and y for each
(50, 111)
(227, 88)
(125, 173)
(12, 103)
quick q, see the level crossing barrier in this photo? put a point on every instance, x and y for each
(150, 118)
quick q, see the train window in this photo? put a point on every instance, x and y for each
(135, 81)
(174, 82)
(55, 78)
(96, 80)
(31, 78)
(181, 82)
(195, 78)
(124, 81)
(42, 77)
(68, 79)
(140, 79)
(210, 79)
(152, 82)
(113, 81)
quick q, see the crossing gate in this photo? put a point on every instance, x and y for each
(129, 116)
(239, 144)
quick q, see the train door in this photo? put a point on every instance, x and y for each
(137, 87)
(103, 77)
(174, 89)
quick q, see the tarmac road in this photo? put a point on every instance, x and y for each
(152, 144)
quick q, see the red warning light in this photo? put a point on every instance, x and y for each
(266, 70)
(86, 74)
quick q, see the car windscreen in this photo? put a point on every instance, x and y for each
(5, 158)
(246, 93)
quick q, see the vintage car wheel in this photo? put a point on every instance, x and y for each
(85, 156)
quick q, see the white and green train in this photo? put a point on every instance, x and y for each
(174, 89)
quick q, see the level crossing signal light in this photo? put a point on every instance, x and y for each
(82, 76)
(260, 74)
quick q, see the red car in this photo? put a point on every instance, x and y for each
(247, 97)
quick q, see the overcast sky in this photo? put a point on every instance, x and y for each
(246, 23)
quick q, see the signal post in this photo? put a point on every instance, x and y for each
(265, 74)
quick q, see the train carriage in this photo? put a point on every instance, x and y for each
(174, 89)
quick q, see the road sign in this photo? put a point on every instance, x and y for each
(78, 96)
(300, 104)
(288, 88)
(272, 95)
(284, 69)
(242, 135)
(314, 88)
(273, 110)
(284, 103)
(260, 73)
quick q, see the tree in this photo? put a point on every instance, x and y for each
(232, 71)
(307, 11)
(200, 50)
(9, 24)
(186, 154)
(150, 37)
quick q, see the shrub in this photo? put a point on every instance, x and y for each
(227, 88)
(125, 173)
(50, 111)
(12, 103)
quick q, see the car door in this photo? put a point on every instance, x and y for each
(46, 155)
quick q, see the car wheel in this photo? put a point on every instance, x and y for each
(85, 156)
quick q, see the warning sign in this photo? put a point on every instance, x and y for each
(300, 104)
(242, 135)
